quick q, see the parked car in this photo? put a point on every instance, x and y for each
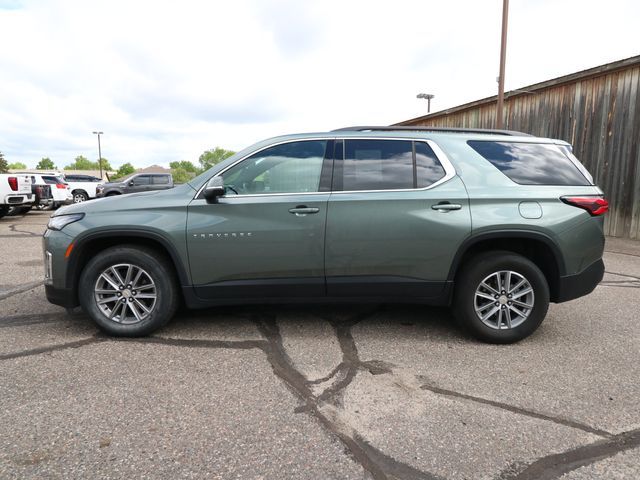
(140, 182)
(60, 192)
(15, 190)
(82, 187)
(496, 224)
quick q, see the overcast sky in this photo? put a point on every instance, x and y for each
(166, 80)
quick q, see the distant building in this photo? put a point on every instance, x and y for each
(154, 169)
(596, 110)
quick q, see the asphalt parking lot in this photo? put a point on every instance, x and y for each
(310, 392)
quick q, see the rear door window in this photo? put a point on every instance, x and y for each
(161, 180)
(531, 163)
(370, 164)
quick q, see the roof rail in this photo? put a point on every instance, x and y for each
(486, 131)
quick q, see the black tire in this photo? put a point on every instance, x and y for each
(4, 210)
(158, 268)
(111, 194)
(13, 211)
(477, 270)
(80, 196)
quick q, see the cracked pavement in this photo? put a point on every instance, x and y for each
(336, 392)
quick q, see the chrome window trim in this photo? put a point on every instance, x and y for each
(449, 169)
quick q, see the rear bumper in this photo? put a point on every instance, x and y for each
(580, 284)
(61, 296)
(18, 199)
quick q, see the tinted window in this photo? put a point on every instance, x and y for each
(288, 168)
(142, 180)
(377, 165)
(77, 178)
(428, 168)
(51, 180)
(387, 165)
(531, 163)
(161, 179)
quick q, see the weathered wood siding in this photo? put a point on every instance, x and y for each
(598, 113)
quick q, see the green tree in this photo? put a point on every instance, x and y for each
(180, 175)
(4, 167)
(209, 158)
(83, 163)
(124, 170)
(183, 171)
(17, 166)
(185, 165)
(46, 163)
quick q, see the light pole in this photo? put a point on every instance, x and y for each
(503, 54)
(99, 153)
(428, 97)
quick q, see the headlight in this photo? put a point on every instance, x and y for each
(60, 221)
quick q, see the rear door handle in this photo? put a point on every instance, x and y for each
(446, 206)
(302, 210)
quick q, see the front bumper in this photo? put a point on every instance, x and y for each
(580, 284)
(65, 297)
(57, 289)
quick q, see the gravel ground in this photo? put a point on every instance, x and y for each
(308, 392)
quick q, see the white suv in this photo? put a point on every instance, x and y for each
(83, 187)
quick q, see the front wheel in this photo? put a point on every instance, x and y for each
(501, 297)
(129, 291)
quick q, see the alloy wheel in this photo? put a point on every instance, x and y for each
(125, 293)
(504, 300)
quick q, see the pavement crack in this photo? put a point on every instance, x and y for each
(379, 465)
(197, 343)
(14, 228)
(21, 289)
(633, 282)
(53, 348)
(36, 319)
(556, 465)
(521, 411)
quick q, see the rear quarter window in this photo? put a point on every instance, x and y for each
(530, 163)
(161, 180)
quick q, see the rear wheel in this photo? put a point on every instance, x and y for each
(501, 297)
(129, 291)
(4, 210)
(80, 196)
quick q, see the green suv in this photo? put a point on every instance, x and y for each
(496, 224)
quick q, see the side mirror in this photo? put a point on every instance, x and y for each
(214, 189)
(131, 183)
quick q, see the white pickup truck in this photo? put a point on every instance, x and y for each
(15, 190)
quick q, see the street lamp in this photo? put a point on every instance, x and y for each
(428, 97)
(99, 152)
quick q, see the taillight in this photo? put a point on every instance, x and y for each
(13, 183)
(594, 205)
(61, 186)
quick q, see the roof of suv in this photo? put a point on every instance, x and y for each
(430, 129)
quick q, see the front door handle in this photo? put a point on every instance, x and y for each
(446, 206)
(302, 210)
